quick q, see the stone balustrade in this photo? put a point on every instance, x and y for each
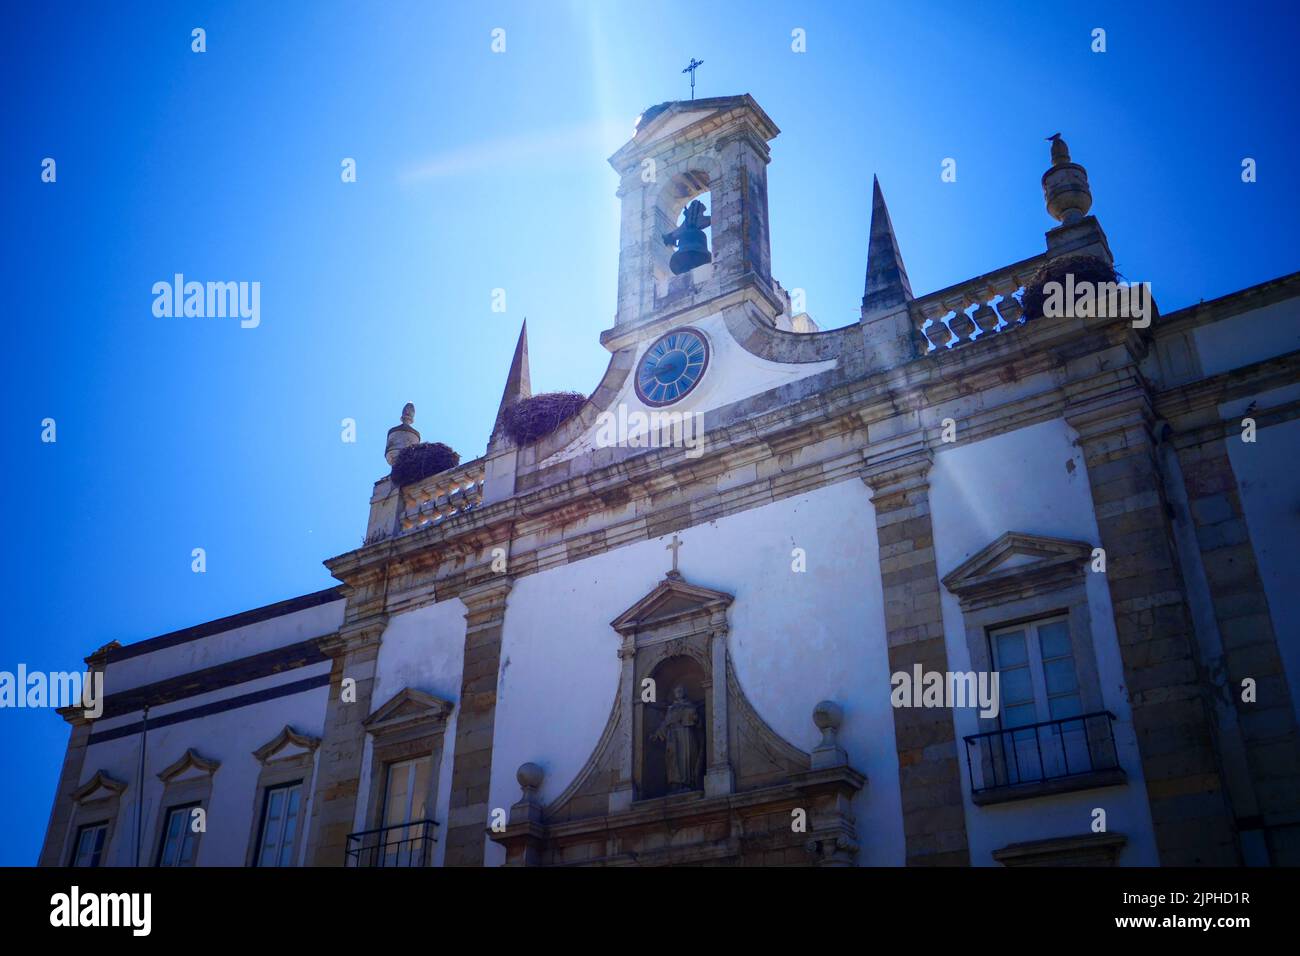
(440, 496)
(986, 305)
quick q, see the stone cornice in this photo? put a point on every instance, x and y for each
(982, 579)
(74, 715)
(355, 636)
(679, 810)
(487, 597)
(100, 781)
(407, 708)
(738, 112)
(738, 291)
(1095, 412)
(818, 432)
(190, 760)
(672, 598)
(285, 738)
(1187, 405)
(1234, 303)
(908, 471)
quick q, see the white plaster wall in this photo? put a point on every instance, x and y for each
(795, 639)
(230, 738)
(1020, 481)
(422, 649)
(224, 647)
(733, 374)
(1270, 495)
(1249, 337)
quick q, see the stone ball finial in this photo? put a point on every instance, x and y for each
(828, 715)
(400, 436)
(1065, 185)
(529, 776)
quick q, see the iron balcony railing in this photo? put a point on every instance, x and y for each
(403, 844)
(1046, 752)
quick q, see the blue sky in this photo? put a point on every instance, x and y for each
(478, 171)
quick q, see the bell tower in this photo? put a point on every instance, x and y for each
(693, 187)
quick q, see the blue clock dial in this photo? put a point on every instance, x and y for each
(672, 366)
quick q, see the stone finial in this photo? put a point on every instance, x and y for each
(1065, 185)
(828, 716)
(400, 436)
(530, 777)
(529, 807)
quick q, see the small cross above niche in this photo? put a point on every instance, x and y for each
(674, 546)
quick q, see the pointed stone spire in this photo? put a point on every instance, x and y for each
(518, 383)
(887, 283)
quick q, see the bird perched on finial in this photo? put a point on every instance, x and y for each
(408, 414)
(1060, 152)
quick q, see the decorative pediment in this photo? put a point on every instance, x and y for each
(285, 745)
(191, 766)
(408, 707)
(662, 122)
(672, 600)
(1015, 562)
(686, 771)
(99, 787)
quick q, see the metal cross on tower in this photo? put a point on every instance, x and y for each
(691, 68)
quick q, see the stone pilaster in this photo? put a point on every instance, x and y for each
(355, 654)
(934, 818)
(1248, 640)
(54, 850)
(718, 778)
(1171, 714)
(471, 769)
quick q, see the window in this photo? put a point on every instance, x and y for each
(406, 797)
(406, 736)
(1039, 686)
(1028, 619)
(279, 828)
(90, 844)
(179, 839)
(1036, 664)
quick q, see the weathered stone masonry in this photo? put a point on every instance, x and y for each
(1171, 715)
(471, 772)
(934, 820)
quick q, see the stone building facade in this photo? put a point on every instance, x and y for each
(616, 646)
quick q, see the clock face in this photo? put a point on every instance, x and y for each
(672, 366)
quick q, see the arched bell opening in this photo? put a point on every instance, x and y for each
(683, 259)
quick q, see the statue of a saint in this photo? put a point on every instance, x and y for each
(683, 755)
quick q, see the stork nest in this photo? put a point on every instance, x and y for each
(417, 462)
(529, 419)
(1084, 269)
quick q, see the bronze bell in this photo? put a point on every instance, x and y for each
(692, 244)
